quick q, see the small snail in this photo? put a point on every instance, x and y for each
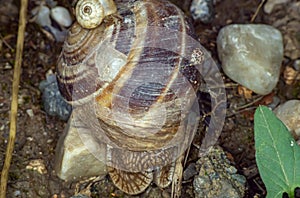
(90, 13)
(128, 68)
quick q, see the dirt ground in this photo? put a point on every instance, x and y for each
(37, 133)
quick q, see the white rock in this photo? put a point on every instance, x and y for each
(61, 15)
(73, 159)
(30, 113)
(289, 114)
(251, 55)
(42, 15)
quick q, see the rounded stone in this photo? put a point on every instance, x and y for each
(251, 55)
(289, 114)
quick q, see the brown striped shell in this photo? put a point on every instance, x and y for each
(132, 75)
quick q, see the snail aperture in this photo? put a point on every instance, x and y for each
(91, 13)
(135, 69)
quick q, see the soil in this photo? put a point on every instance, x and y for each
(37, 132)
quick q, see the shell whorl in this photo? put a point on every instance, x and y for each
(73, 70)
(91, 13)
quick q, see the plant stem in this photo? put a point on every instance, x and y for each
(14, 102)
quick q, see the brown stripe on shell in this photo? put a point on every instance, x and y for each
(163, 176)
(77, 73)
(140, 161)
(106, 97)
(180, 26)
(76, 86)
(145, 13)
(156, 17)
(123, 42)
(129, 182)
(79, 44)
(168, 134)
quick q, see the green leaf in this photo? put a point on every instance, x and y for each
(277, 154)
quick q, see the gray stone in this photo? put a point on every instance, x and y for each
(217, 178)
(251, 55)
(202, 10)
(73, 159)
(53, 102)
(289, 114)
(189, 172)
(80, 196)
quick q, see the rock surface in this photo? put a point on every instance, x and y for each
(270, 4)
(251, 55)
(289, 114)
(73, 159)
(217, 178)
(53, 102)
(287, 20)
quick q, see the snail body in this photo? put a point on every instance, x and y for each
(131, 73)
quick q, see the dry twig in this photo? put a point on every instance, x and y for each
(14, 103)
(177, 177)
(257, 10)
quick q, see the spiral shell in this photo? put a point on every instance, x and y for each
(132, 75)
(90, 13)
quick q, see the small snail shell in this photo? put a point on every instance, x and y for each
(90, 13)
(114, 67)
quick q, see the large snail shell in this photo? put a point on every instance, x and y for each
(115, 71)
(140, 93)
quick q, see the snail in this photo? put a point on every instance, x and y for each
(90, 13)
(130, 70)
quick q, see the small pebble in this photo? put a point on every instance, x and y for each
(51, 3)
(61, 15)
(42, 14)
(296, 64)
(189, 172)
(37, 165)
(79, 196)
(30, 139)
(7, 66)
(274, 103)
(17, 193)
(53, 103)
(49, 141)
(289, 114)
(7, 55)
(202, 10)
(30, 113)
(251, 55)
